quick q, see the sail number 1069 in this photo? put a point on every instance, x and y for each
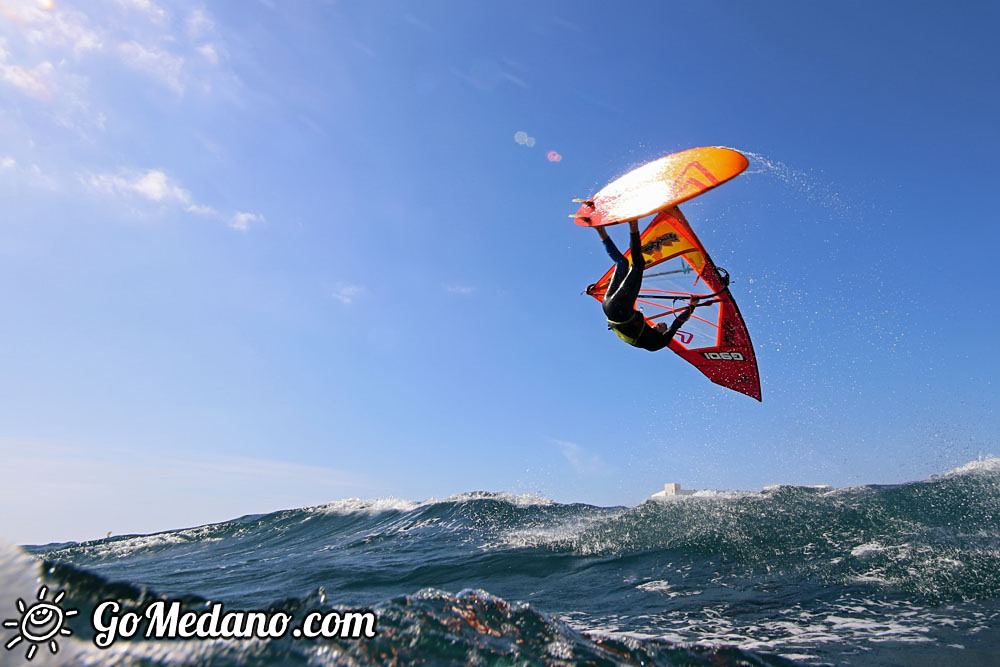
(724, 356)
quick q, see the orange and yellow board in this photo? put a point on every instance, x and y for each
(660, 184)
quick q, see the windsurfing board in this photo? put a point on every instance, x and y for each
(659, 185)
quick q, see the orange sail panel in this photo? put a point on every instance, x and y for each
(715, 340)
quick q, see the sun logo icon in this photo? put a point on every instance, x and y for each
(40, 622)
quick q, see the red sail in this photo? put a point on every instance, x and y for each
(715, 340)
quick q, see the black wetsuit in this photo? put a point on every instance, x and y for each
(619, 301)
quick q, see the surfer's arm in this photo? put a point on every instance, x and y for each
(613, 252)
(609, 247)
(680, 320)
(661, 335)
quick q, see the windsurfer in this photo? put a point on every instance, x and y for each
(623, 290)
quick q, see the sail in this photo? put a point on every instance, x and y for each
(715, 340)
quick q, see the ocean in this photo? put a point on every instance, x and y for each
(905, 574)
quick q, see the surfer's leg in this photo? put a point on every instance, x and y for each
(620, 300)
(617, 308)
(632, 282)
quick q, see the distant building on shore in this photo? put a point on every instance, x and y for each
(672, 489)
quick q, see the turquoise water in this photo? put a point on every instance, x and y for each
(904, 574)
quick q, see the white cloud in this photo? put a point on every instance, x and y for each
(202, 209)
(241, 220)
(516, 81)
(156, 186)
(201, 31)
(165, 67)
(582, 461)
(39, 178)
(153, 11)
(154, 51)
(50, 83)
(53, 26)
(24, 175)
(35, 82)
(199, 24)
(459, 289)
(56, 70)
(347, 292)
(209, 53)
(64, 91)
(153, 185)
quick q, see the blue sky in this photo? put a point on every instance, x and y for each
(260, 255)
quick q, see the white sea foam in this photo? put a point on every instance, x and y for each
(705, 493)
(123, 547)
(989, 464)
(658, 586)
(560, 649)
(518, 499)
(542, 535)
(555, 532)
(795, 634)
(663, 587)
(366, 506)
(865, 549)
(393, 504)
